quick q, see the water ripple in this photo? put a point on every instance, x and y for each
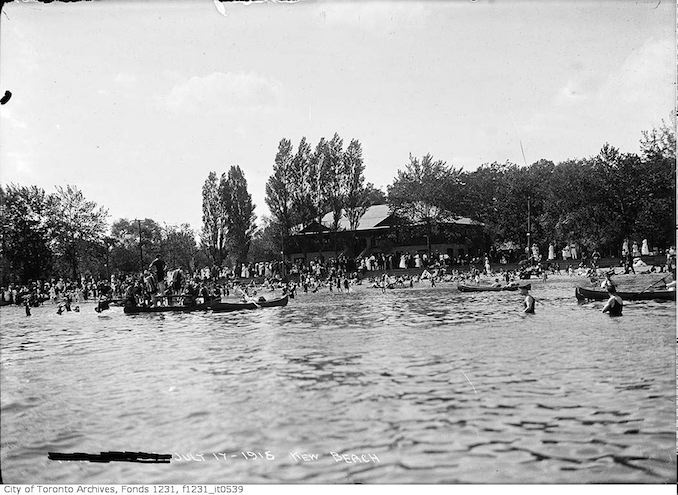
(441, 386)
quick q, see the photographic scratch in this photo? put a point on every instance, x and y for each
(474, 389)
(220, 7)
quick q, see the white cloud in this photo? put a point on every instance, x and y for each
(223, 93)
(645, 73)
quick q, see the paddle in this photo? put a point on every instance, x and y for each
(655, 283)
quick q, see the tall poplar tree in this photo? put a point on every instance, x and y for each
(278, 191)
(215, 217)
(241, 215)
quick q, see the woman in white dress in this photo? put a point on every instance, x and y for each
(403, 263)
(417, 261)
(552, 252)
(645, 250)
(636, 252)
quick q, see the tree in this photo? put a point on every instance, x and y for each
(337, 178)
(215, 217)
(659, 143)
(278, 191)
(24, 247)
(656, 219)
(77, 226)
(424, 192)
(265, 243)
(357, 199)
(320, 164)
(301, 185)
(619, 197)
(375, 196)
(569, 204)
(180, 247)
(134, 244)
(241, 216)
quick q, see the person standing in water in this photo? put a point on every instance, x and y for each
(614, 304)
(529, 300)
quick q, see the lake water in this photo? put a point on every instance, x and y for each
(439, 386)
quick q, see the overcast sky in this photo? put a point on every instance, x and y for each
(135, 103)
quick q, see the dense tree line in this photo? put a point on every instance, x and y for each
(308, 184)
(63, 234)
(45, 233)
(596, 202)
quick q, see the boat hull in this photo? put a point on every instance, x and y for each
(216, 307)
(135, 310)
(225, 307)
(583, 294)
(480, 288)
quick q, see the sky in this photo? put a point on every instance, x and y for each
(136, 102)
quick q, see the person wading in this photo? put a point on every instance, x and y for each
(614, 304)
(529, 300)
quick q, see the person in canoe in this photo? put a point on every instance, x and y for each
(607, 281)
(254, 299)
(614, 304)
(157, 267)
(529, 300)
(190, 294)
(496, 283)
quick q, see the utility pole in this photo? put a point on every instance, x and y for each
(529, 212)
(141, 252)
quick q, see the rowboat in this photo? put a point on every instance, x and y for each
(583, 294)
(223, 307)
(487, 288)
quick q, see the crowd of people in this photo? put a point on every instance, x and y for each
(159, 286)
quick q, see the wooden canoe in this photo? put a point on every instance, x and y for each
(487, 288)
(582, 294)
(223, 307)
(135, 310)
(215, 306)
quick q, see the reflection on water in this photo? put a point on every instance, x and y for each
(439, 386)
